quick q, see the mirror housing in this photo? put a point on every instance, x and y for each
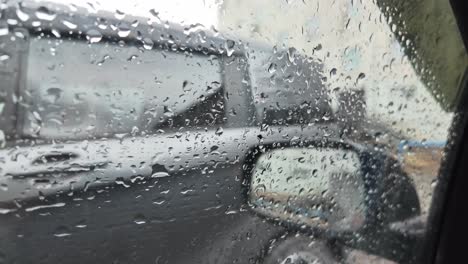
(332, 186)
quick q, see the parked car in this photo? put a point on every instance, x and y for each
(130, 143)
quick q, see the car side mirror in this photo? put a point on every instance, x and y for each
(318, 186)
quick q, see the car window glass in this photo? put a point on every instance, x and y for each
(107, 89)
(224, 131)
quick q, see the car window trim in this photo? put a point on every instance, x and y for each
(447, 218)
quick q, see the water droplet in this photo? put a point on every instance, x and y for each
(12, 21)
(160, 174)
(155, 15)
(36, 23)
(56, 33)
(360, 77)
(159, 200)
(106, 57)
(54, 94)
(147, 43)
(93, 36)
(4, 57)
(291, 55)
(37, 116)
(34, 208)
(229, 45)
(21, 14)
(219, 131)
(62, 231)
(260, 189)
(132, 57)
(44, 13)
(135, 23)
(139, 219)
(119, 14)
(159, 171)
(102, 23)
(318, 47)
(184, 86)
(4, 29)
(81, 224)
(272, 68)
(202, 36)
(6, 211)
(69, 24)
(193, 28)
(91, 8)
(185, 191)
(121, 182)
(123, 31)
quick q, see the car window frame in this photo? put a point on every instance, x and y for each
(234, 65)
(446, 224)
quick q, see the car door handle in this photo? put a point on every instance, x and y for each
(62, 161)
(55, 157)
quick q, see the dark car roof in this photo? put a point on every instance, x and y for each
(164, 34)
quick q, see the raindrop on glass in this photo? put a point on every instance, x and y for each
(69, 24)
(93, 36)
(119, 14)
(44, 13)
(21, 14)
(3, 29)
(219, 131)
(139, 219)
(148, 43)
(123, 31)
(159, 171)
(272, 68)
(229, 45)
(62, 231)
(360, 77)
(4, 57)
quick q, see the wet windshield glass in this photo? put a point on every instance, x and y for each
(223, 131)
